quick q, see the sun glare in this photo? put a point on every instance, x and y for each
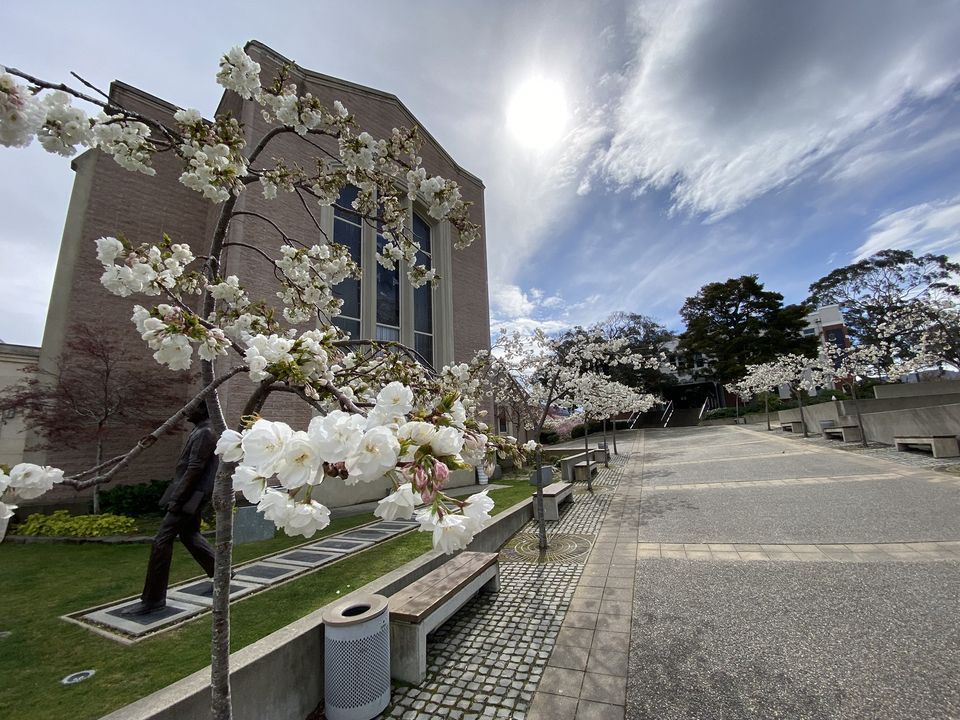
(537, 113)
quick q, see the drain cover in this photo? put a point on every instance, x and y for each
(74, 678)
(525, 547)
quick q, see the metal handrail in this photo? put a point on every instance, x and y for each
(703, 409)
(668, 410)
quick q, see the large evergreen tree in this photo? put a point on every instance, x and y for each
(737, 323)
(645, 336)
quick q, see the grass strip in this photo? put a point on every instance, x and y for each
(41, 582)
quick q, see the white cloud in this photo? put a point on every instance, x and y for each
(511, 301)
(932, 227)
(727, 101)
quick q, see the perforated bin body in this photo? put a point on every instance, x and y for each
(356, 668)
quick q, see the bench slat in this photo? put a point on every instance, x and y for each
(422, 597)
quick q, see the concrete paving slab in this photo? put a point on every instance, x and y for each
(200, 592)
(266, 573)
(306, 558)
(175, 611)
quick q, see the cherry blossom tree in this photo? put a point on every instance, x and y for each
(379, 411)
(801, 374)
(549, 371)
(885, 355)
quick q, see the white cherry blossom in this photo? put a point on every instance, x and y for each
(399, 504)
(265, 446)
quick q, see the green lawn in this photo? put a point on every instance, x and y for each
(40, 582)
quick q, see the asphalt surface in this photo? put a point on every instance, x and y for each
(819, 640)
(723, 641)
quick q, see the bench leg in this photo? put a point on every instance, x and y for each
(493, 584)
(408, 652)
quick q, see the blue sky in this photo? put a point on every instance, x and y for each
(700, 140)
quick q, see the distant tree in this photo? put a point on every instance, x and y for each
(95, 388)
(890, 281)
(738, 323)
(644, 336)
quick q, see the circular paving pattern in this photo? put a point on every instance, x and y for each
(525, 547)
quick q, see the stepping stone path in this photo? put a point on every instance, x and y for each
(189, 599)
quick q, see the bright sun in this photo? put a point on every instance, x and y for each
(537, 113)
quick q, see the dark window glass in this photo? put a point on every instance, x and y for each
(423, 309)
(421, 232)
(346, 231)
(349, 292)
(424, 346)
(351, 327)
(388, 292)
(344, 202)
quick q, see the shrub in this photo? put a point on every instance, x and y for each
(62, 524)
(595, 426)
(549, 437)
(134, 500)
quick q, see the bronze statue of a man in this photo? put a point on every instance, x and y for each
(184, 500)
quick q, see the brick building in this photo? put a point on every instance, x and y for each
(449, 323)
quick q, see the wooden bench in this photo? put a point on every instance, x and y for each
(424, 605)
(847, 433)
(795, 426)
(942, 446)
(580, 470)
(553, 495)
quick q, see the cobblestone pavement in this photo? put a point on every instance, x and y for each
(489, 658)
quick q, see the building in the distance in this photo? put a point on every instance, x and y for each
(827, 324)
(14, 359)
(446, 324)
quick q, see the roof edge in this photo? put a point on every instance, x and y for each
(329, 79)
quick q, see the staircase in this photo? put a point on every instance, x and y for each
(684, 417)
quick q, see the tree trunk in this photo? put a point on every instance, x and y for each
(96, 488)
(766, 407)
(586, 448)
(802, 421)
(220, 701)
(541, 522)
(856, 405)
(615, 437)
(606, 451)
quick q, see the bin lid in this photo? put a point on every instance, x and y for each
(354, 609)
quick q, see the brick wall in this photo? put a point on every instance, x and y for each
(108, 200)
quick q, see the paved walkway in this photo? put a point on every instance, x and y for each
(746, 575)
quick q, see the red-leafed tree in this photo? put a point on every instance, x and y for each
(95, 387)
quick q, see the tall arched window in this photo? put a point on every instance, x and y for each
(348, 230)
(423, 295)
(388, 298)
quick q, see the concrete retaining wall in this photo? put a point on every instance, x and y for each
(936, 420)
(813, 415)
(937, 387)
(280, 677)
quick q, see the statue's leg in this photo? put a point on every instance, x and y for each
(158, 568)
(196, 543)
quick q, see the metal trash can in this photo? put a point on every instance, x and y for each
(356, 661)
(546, 475)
